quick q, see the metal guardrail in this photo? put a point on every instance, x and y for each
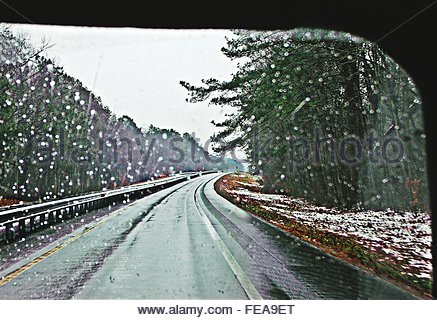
(13, 206)
(19, 222)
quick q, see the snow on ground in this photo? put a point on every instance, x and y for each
(403, 236)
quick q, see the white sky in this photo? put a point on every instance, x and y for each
(137, 71)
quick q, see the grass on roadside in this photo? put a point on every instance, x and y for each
(345, 248)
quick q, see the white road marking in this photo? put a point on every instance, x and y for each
(244, 280)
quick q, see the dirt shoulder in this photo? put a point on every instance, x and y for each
(8, 202)
(393, 245)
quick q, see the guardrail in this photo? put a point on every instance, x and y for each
(13, 206)
(19, 222)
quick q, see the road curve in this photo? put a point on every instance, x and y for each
(187, 242)
(159, 247)
(171, 254)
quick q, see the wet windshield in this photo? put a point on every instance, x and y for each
(273, 164)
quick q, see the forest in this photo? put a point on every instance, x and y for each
(324, 116)
(58, 139)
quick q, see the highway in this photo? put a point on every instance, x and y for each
(186, 242)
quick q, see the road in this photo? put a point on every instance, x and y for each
(186, 242)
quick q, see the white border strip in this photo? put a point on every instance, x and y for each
(244, 280)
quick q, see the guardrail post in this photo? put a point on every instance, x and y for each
(9, 232)
(22, 228)
(32, 223)
(52, 218)
(42, 219)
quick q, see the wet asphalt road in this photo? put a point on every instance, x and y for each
(186, 242)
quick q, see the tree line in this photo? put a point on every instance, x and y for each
(324, 116)
(58, 139)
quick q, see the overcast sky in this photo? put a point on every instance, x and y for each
(137, 71)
